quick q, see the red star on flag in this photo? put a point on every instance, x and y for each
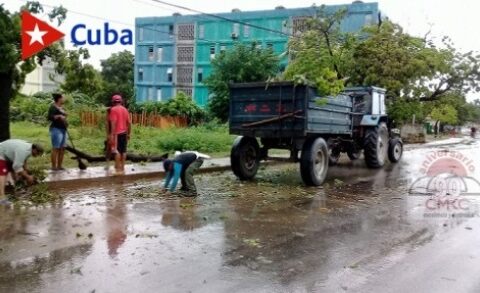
(37, 35)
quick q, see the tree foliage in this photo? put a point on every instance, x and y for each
(416, 72)
(80, 77)
(117, 76)
(12, 69)
(412, 67)
(402, 110)
(242, 63)
(180, 105)
(319, 56)
(445, 114)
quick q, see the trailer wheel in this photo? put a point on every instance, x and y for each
(245, 157)
(314, 161)
(376, 145)
(395, 150)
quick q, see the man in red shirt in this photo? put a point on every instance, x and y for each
(120, 128)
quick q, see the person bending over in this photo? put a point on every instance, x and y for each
(183, 167)
(13, 158)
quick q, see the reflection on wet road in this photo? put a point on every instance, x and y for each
(271, 235)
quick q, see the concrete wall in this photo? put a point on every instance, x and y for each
(413, 133)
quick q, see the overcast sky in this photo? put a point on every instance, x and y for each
(456, 19)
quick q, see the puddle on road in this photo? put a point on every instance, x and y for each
(269, 232)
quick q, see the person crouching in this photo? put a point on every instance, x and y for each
(14, 154)
(182, 167)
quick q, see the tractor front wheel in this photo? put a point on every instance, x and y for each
(395, 150)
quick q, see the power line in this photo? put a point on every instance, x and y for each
(223, 18)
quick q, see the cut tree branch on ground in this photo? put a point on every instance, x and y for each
(135, 158)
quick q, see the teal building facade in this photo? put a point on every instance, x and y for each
(174, 53)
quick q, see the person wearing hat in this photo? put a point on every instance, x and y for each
(13, 157)
(182, 167)
(120, 128)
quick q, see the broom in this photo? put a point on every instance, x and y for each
(81, 165)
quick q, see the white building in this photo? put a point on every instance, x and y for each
(42, 79)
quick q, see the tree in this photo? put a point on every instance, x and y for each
(412, 67)
(80, 77)
(117, 75)
(417, 74)
(402, 110)
(242, 63)
(444, 114)
(321, 55)
(12, 69)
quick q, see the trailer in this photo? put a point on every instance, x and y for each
(282, 115)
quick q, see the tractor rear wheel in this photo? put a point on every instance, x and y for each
(314, 161)
(376, 146)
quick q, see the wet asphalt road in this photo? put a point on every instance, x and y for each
(363, 231)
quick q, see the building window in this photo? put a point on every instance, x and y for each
(258, 46)
(159, 94)
(299, 25)
(200, 74)
(236, 30)
(170, 74)
(201, 31)
(212, 51)
(151, 54)
(368, 19)
(159, 54)
(140, 74)
(184, 75)
(186, 32)
(151, 92)
(186, 90)
(285, 27)
(170, 30)
(246, 31)
(270, 46)
(140, 34)
(223, 48)
(185, 54)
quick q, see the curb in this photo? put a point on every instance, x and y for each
(136, 176)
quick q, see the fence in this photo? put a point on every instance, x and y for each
(94, 119)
